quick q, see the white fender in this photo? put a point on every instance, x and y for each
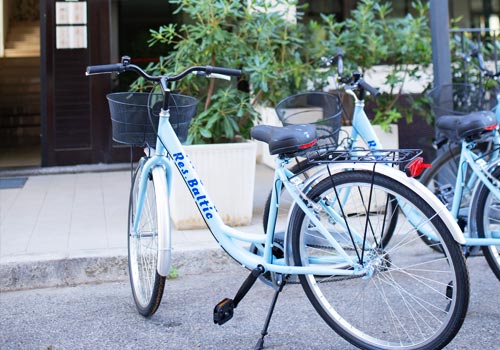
(164, 241)
(399, 176)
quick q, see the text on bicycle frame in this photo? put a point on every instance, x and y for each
(205, 206)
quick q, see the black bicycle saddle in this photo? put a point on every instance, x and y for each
(286, 139)
(470, 126)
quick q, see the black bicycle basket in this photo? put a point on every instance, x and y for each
(135, 116)
(459, 99)
(319, 108)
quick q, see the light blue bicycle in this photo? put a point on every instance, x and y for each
(465, 174)
(394, 295)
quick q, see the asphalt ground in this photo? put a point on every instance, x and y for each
(103, 316)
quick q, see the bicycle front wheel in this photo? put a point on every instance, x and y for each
(488, 223)
(147, 285)
(409, 297)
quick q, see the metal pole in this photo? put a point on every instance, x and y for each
(440, 42)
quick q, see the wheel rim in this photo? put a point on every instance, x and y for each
(143, 245)
(398, 306)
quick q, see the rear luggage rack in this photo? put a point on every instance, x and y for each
(386, 156)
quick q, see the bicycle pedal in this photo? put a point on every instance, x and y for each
(223, 311)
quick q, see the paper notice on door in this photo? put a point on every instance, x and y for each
(71, 25)
(71, 12)
(71, 37)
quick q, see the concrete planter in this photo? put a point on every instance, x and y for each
(228, 173)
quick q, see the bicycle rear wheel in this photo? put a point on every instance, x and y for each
(147, 285)
(410, 297)
(488, 223)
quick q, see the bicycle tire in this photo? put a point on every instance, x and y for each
(146, 283)
(286, 203)
(487, 217)
(416, 298)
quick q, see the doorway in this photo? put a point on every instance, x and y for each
(20, 142)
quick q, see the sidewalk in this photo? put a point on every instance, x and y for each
(63, 229)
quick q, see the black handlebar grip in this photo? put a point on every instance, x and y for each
(368, 88)
(224, 71)
(105, 68)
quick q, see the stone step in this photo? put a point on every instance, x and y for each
(24, 86)
(21, 53)
(19, 62)
(24, 25)
(19, 71)
(29, 44)
(20, 121)
(20, 75)
(23, 40)
(18, 103)
(17, 89)
(6, 111)
(12, 137)
(23, 29)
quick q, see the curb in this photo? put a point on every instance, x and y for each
(16, 276)
(70, 169)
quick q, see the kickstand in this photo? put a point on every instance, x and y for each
(280, 283)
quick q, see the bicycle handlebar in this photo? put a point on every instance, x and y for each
(105, 69)
(353, 81)
(373, 91)
(126, 66)
(476, 53)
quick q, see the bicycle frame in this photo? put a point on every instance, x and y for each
(481, 170)
(361, 125)
(169, 150)
(168, 142)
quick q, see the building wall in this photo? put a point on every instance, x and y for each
(4, 17)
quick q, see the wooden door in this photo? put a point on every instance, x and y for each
(76, 127)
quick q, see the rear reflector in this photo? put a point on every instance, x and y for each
(416, 167)
(491, 127)
(308, 145)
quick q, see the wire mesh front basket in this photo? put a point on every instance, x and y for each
(135, 116)
(319, 108)
(459, 99)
